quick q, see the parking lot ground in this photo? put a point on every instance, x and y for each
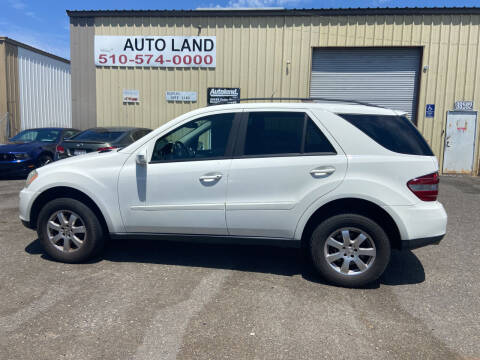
(161, 300)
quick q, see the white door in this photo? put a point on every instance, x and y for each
(459, 142)
(184, 182)
(283, 163)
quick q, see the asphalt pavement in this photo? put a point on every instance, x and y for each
(161, 300)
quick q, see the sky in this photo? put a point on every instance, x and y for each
(44, 24)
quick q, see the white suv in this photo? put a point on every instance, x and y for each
(347, 182)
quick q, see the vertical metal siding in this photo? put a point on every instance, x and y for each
(381, 76)
(84, 110)
(9, 92)
(252, 53)
(45, 97)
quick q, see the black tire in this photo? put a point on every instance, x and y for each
(94, 240)
(43, 160)
(328, 227)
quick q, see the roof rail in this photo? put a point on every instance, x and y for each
(312, 99)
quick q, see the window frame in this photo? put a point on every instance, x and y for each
(232, 137)
(239, 151)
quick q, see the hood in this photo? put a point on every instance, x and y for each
(21, 147)
(81, 160)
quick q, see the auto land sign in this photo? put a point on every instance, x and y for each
(156, 51)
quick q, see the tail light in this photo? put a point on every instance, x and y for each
(425, 187)
(60, 149)
(108, 148)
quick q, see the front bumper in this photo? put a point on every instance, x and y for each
(16, 168)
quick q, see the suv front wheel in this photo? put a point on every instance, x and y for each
(350, 250)
(69, 230)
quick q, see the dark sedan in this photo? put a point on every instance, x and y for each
(31, 149)
(99, 139)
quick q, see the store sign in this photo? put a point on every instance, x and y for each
(131, 96)
(223, 96)
(156, 51)
(430, 110)
(464, 105)
(181, 96)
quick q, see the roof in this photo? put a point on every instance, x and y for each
(337, 108)
(31, 48)
(229, 12)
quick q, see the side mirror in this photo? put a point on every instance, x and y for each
(141, 159)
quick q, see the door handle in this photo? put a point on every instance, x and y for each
(322, 171)
(210, 178)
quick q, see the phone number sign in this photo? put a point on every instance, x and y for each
(156, 51)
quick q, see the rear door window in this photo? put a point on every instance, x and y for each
(283, 133)
(396, 133)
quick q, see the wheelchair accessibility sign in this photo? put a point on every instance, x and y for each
(430, 110)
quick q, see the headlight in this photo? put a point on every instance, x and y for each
(31, 177)
(21, 156)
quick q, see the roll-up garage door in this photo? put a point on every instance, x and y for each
(381, 76)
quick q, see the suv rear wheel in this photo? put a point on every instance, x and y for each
(350, 250)
(69, 231)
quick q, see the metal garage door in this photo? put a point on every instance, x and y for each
(381, 76)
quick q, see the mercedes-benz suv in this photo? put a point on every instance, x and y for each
(347, 182)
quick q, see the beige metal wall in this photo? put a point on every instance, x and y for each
(9, 91)
(84, 112)
(252, 53)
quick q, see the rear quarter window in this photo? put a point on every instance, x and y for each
(396, 133)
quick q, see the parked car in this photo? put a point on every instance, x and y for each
(348, 182)
(31, 149)
(99, 139)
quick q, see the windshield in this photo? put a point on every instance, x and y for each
(98, 135)
(45, 135)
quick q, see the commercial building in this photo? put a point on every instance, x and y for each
(143, 68)
(34, 89)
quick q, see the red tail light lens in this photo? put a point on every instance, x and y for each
(60, 149)
(108, 148)
(425, 187)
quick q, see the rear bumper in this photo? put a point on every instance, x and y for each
(416, 243)
(419, 225)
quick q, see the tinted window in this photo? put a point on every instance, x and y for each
(102, 135)
(270, 133)
(203, 138)
(69, 133)
(139, 134)
(396, 133)
(44, 135)
(315, 141)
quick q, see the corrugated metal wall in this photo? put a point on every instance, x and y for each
(84, 108)
(45, 91)
(253, 52)
(9, 90)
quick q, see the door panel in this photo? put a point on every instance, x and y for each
(267, 196)
(284, 162)
(459, 142)
(182, 189)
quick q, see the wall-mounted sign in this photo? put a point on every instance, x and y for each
(155, 51)
(430, 110)
(131, 96)
(223, 96)
(464, 105)
(181, 96)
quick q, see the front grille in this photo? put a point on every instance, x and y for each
(6, 157)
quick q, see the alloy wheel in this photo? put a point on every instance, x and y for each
(66, 231)
(350, 251)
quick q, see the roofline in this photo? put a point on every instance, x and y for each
(31, 48)
(214, 12)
